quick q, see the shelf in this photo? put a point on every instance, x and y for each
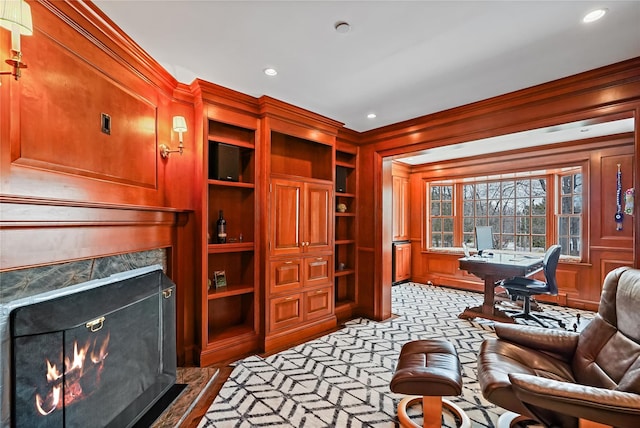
(231, 141)
(229, 290)
(345, 195)
(345, 164)
(233, 332)
(345, 241)
(229, 314)
(346, 184)
(234, 247)
(345, 272)
(346, 302)
(231, 184)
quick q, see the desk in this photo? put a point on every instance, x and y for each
(492, 269)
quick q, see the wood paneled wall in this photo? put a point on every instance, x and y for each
(612, 91)
(68, 190)
(604, 247)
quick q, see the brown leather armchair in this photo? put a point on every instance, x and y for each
(558, 377)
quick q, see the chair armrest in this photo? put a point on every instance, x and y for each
(605, 406)
(559, 342)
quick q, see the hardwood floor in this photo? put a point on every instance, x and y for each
(209, 395)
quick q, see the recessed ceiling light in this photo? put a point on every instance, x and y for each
(371, 116)
(270, 71)
(342, 27)
(594, 15)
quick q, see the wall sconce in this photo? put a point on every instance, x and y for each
(179, 126)
(15, 16)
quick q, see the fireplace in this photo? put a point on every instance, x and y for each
(96, 354)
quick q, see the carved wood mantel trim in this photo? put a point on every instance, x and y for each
(37, 232)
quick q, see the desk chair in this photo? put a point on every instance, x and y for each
(525, 288)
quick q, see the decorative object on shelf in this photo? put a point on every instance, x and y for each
(221, 226)
(619, 217)
(341, 208)
(15, 16)
(179, 126)
(220, 278)
(341, 179)
(224, 162)
(341, 266)
(209, 284)
(628, 201)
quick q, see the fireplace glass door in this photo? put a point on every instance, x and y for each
(93, 359)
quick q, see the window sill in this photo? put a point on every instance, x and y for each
(459, 252)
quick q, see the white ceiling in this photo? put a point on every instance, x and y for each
(401, 59)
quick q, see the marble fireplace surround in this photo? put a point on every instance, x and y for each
(24, 283)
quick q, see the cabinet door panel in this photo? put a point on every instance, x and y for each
(402, 262)
(400, 208)
(317, 270)
(286, 275)
(285, 217)
(285, 311)
(318, 217)
(318, 303)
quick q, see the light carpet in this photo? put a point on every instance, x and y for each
(342, 379)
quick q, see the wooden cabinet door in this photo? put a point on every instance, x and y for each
(285, 312)
(403, 262)
(318, 303)
(285, 217)
(318, 216)
(317, 270)
(400, 208)
(286, 275)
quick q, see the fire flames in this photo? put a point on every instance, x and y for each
(80, 376)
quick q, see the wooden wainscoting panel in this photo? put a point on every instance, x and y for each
(567, 278)
(607, 265)
(68, 98)
(366, 293)
(442, 264)
(604, 183)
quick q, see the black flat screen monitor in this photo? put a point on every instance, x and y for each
(484, 238)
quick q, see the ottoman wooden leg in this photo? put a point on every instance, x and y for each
(431, 412)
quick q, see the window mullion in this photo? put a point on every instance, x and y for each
(553, 209)
(458, 217)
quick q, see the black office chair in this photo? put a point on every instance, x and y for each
(525, 288)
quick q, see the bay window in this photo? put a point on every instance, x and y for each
(522, 209)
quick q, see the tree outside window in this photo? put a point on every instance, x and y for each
(441, 216)
(570, 214)
(517, 208)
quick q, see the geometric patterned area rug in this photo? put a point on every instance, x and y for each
(342, 379)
